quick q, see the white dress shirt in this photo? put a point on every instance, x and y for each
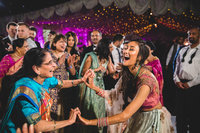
(94, 47)
(169, 55)
(186, 71)
(11, 39)
(115, 55)
(31, 43)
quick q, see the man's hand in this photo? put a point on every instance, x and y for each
(185, 85)
(180, 85)
(10, 47)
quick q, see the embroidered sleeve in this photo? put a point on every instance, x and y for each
(31, 113)
(146, 80)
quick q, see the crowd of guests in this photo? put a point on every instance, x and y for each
(113, 85)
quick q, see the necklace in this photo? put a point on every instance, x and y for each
(137, 72)
(16, 56)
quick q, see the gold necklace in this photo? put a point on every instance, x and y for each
(17, 55)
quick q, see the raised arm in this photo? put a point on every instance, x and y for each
(70, 83)
(71, 67)
(87, 65)
(137, 102)
(45, 126)
(111, 68)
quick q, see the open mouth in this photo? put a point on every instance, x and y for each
(62, 47)
(126, 58)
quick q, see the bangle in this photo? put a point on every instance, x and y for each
(102, 122)
(101, 93)
(72, 83)
(70, 67)
(54, 125)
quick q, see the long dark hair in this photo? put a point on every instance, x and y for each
(102, 49)
(34, 56)
(128, 79)
(72, 34)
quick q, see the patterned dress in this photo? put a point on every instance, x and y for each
(155, 121)
(92, 105)
(55, 93)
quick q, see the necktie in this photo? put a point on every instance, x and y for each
(119, 55)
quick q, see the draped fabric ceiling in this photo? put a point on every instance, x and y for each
(113, 16)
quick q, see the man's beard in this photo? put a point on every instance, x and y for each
(192, 40)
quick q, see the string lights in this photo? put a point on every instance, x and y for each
(111, 20)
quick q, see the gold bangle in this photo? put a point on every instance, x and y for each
(54, 125)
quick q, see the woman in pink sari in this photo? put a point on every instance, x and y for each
(154, 65)
(11, 63)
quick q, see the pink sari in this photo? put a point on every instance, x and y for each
(157, 71)
(8, 66)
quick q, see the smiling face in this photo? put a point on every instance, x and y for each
(22, 31)
(60, 45)
(47, 67)
(193, 36)
(12, 31)
(130, 53)
(70, 41)
(95, 37)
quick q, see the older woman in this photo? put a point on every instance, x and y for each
(10, 64)
(20, 47)
(29, 101)
(140, 90)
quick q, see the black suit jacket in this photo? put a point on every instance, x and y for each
(38, 44)
(6, 40)
(3, 45)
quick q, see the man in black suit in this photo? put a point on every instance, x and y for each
(6, 44)
(96, 36)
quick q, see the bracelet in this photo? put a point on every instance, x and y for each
(101, 93)
(72, 83)
(70, 67)
(54, 125)
(102, 122)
